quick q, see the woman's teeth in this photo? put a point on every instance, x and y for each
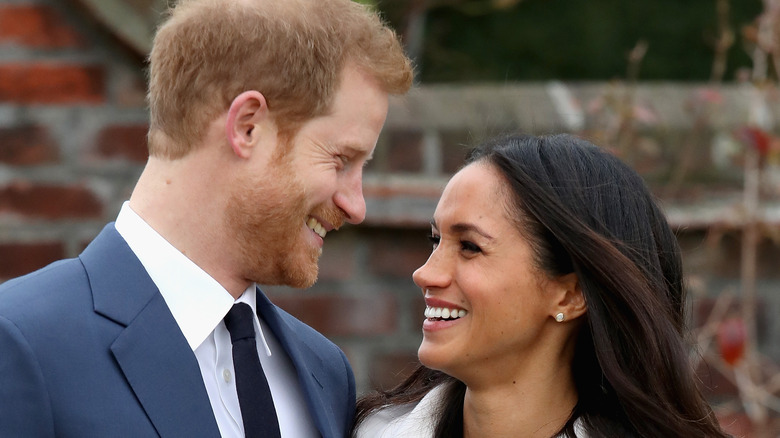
(444, 313)
(315, 226)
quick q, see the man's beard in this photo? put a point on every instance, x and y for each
(266, 213)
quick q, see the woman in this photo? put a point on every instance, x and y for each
(554, 306)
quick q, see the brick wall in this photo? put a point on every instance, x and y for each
(72, 131)
(72, 143)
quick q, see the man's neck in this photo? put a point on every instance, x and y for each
(181, 199)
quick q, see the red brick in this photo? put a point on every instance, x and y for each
(52, 83)
(20, 258)
(404, 152)
(45, 201)
(399, 253)
(335, 315)
(388, 370)
(36, 26)
(124, 141)
(338, 258)
(27, 145)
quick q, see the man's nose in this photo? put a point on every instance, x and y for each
(350, 199)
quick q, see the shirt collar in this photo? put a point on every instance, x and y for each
(196, 300)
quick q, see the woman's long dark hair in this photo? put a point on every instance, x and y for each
(584, 211)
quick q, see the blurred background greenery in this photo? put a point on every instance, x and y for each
(528, 40)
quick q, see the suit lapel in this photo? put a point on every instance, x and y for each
(164, 374)
(306, 362)
(151, 350)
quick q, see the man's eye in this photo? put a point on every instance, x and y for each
(434, 239)
(341, 161)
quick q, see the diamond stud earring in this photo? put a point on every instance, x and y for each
(560, 317)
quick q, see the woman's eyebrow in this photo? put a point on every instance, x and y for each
(460, 228)
(464, 227)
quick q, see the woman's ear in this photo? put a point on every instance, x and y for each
(246, 112)
(570, 303)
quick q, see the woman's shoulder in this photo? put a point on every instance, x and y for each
(412, 420)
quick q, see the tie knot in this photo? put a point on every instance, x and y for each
(240, 322)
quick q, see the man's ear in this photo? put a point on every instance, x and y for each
(246, 112)
(570, 301)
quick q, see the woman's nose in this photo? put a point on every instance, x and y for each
(434, 273)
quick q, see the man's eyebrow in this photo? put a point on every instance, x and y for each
(461, 228)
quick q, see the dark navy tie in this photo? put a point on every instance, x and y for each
(254, 395)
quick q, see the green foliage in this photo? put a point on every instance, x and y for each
(574, 39)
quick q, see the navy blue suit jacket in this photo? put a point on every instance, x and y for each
(88, 348)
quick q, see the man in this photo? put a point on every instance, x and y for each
(263, 114)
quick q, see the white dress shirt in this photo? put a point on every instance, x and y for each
(199, 304)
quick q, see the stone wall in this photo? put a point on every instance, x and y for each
(72, 143)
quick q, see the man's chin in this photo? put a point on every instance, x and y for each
(302, 276)
(304, 284)
(297, 281)
(297, 270)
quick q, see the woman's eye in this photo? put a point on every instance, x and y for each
(434, 240)
(465, 245)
